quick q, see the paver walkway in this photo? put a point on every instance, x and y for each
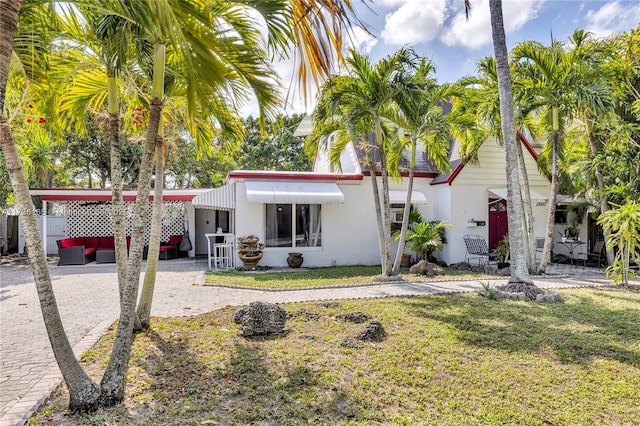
(88, 302)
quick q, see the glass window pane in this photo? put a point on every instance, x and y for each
(308, 225)
(279, 225)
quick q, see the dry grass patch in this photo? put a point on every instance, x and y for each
(448, 359)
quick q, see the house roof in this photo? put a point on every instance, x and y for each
(238, 175)
(424, 166)
(457, 164)
(104, 194)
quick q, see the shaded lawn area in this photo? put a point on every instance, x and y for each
(321, 277)
(448, 359)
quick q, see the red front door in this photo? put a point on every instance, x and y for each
(498, 225)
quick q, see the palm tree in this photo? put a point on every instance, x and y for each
(421, 116)
(556, 80)
(483, 101)
(313, 28)
(519, 280)
(83, 392)
(590, 57)
(357, 105)
(106, 49)
(425, 238)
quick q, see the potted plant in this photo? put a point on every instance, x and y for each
(250, 250)
(502, 252)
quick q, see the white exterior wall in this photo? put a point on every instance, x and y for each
(469, 197)
(349, 230)
(442, 211)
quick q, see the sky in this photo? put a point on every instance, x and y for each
(439, 30)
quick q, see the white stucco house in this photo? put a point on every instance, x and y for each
(329, 215)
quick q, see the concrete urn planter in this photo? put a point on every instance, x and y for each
(295, 260)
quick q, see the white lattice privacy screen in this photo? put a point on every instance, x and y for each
(93, 219)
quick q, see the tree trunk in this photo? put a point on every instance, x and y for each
(376, 202)
(387, 267)
(83, 392)
(604, 204)
(407, 209)
(519, 274)
(529, 236)
(117, 200)
(548, 238)
(113, 381)
(146, 298)
(8, 25)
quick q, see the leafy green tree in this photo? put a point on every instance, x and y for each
(560, 83)
(86, 155)
(274, 147)
(623, 222)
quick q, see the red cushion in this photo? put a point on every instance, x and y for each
(174, 240)
(106, 242)
(89, 250)
(67, 242)
(91, 242)
(165, 248)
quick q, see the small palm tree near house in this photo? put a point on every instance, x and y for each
(426, 238)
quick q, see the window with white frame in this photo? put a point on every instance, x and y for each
(293, 225)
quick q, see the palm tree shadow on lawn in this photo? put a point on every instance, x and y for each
(576, 331)
(236, 386)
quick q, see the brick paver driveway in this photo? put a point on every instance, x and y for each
(88, 302)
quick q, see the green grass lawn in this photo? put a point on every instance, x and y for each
(448, 360)
(319, 277)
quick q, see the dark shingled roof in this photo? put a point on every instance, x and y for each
(423, 164)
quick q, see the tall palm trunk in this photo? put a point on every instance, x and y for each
(113, 381)
(146, 297)
(604, 205)
(376, 202)
(546, 252)
(529, 237)
(407, 209)
(8, 25)
(387, 267)
(519, 279)
(117, 200)
(83, 392)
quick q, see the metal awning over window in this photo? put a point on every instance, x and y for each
(502, 194)
(279, 192)
(400, 197)
(223, 198)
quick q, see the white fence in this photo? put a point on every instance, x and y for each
(55, 231)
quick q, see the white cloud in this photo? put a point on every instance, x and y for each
(414, 21)
(476, 32)
(615, 16)
(361, 40)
